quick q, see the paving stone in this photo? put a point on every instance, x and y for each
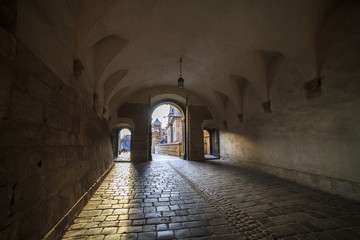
(195, 200)
(158, 220)
(75, 233)
(149, 228)
(301, 217)
(123, 223)
(161, 227)
(153, 215)
(324, 224)
(96, 237)
(109, 230)
(180, 219)
(147, 236)
(168, 214)
(283, 231)
(162, 208)
(182, 233)
(108, 224)
(113, 237)
(129, 236)
(91, 213)
(134, 229)
(175, 225)
(93, 231)
(165, 234)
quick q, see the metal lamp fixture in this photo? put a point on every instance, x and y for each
(180, 80)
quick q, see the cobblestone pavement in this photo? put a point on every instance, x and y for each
(123, 157)
(170, 198)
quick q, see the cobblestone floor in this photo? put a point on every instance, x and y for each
(169, 198)
(123, 157)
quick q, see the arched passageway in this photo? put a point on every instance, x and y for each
(124, 145)
(168, 129)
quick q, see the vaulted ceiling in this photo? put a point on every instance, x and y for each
(126, 45)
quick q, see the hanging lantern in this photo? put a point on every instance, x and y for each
(180, 80)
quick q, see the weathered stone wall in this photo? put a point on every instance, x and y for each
(313, 141)
(54, 147)
(172, 149)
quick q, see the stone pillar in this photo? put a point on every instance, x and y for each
(197, 114)
(116, 142)
(140, 138)
(183, 140)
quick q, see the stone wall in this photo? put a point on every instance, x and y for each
(172, 149)
(54, 147)
(311, 140)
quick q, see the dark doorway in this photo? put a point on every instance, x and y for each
(211, 143)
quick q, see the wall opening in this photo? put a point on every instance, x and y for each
(211, 143)
(124, 145)
(167, 131)
(206, 142)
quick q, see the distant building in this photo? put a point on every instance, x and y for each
(158, 134)
(125, 142)
(174, 127)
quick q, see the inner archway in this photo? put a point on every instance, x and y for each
(168, 136)
(124, 145)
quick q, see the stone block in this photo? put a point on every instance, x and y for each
(38, 160)
(57, 119)
(63, 89)
(30, 222)
(28, 193)
(342, 187)
(39, 90)
(30, 64)
(22, 80)
(26, 108)
(59, 157)
(59, 102)
(72, 155)
(16, 133)
(49, 136)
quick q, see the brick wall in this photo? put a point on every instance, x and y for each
(53, 146)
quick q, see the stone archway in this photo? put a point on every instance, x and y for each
(182, 110)
(124, 144)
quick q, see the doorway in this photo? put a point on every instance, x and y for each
(211, 143)
(124, 145)
(206, 142)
